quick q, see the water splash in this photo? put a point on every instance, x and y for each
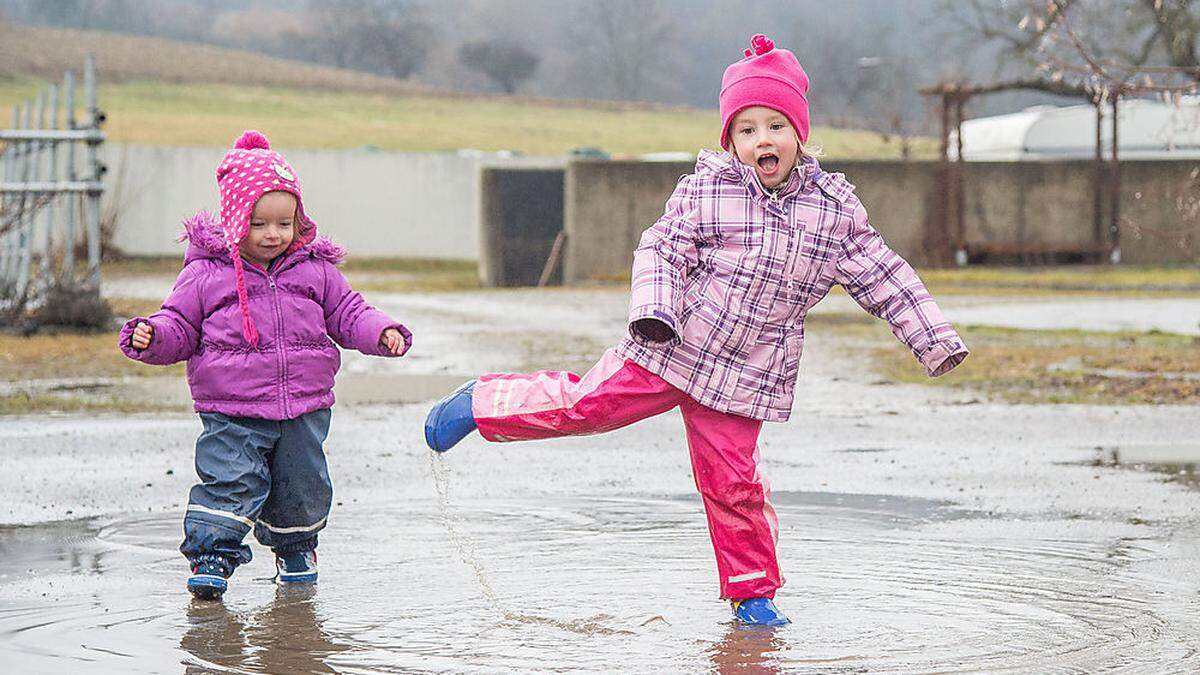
(465, 547)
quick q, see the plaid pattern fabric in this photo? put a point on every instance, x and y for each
(733, 270)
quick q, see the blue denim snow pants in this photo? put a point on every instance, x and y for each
(262, 474)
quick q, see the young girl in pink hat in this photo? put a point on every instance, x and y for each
(256, 312)
(720, 289)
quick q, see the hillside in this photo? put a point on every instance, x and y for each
(34, 51)
(173, 93)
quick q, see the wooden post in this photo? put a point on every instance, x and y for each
(960, 234)
(1114, 228)
(1098, 180)
(552, 259)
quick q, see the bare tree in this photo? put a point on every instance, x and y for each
(1095, 47)
(504, 62)
(335, 33)
(381, 36)
(628, 40)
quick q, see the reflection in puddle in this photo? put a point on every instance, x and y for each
(748, 651)
(875, 583)
(285, 636)
(1177, 462)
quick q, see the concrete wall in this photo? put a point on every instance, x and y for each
(1160, 212)
(521, 214)
(376, 204)
(608, 204)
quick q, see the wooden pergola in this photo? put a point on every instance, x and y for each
(946, 233)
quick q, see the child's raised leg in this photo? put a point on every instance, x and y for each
(741, 520)
(613, 394)
(300, 497)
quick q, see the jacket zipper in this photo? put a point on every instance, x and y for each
(287, 412)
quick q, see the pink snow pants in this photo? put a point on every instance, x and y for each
(616, 393)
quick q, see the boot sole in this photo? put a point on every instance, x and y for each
(207, 586)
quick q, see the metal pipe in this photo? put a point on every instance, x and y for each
(70, 235)
(23, 218)
(6, 244)
(52, 135)
(42, 187)
(93, 200)
(50, 210)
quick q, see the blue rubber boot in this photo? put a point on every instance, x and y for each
(296, 568)
(450, 419)
(758, 612)
(209, 580)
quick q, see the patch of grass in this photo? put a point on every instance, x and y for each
(1106, 279)
(70, 355)
(136, 266)
(208, 114)
(381, 275)
(23, 403)
(128, 307)
(410, 265)
(1066, 366)
(408, 275)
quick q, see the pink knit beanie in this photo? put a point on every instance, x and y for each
(768, 77)
(249, 171)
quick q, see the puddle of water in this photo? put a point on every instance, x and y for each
(596, 584)
(1178, 462)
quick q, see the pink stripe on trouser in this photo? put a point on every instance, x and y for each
(616, 393)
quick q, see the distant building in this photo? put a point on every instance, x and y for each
(1147, 129)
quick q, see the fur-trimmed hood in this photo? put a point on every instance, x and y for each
(206, 239)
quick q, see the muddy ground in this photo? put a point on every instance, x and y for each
(922, 529)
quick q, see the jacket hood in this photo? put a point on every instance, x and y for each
(206, 239)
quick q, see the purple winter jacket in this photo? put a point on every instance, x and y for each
(302, 306)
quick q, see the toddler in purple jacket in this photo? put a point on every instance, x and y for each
(256, 313)
(721, 285)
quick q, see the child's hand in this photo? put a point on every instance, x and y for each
(143, 333)
(393, 342)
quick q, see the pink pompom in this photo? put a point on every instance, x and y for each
(748, 53)
(252, 140)
(761, 44)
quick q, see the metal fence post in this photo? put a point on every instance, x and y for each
(69, 237)
(26, 161)
(35, 179)
(93, 198)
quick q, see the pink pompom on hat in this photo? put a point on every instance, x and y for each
(250, 170)
(768, 77)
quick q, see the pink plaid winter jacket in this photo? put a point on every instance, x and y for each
(733, 271)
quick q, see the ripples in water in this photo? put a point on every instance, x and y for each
(875, 583)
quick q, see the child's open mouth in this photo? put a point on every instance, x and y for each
(768, 163)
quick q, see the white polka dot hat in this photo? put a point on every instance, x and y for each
(250, 170)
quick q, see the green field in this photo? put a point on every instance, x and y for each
(169, 92)
(213, 114)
